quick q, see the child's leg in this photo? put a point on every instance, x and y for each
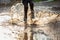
(25, 19)
(32, 9)
(25, 11)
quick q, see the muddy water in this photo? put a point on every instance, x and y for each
(7, 30)
(46, 28)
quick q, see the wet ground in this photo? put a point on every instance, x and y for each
(7, 30)
(45, 20)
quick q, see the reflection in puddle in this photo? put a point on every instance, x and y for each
(40, 35)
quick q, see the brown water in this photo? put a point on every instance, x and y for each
(46, 21)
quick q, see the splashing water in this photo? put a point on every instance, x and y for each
(15, 32)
